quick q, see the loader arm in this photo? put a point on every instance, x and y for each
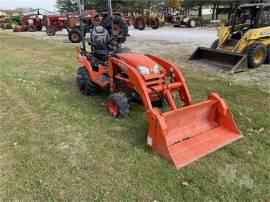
(223, 34)
(181, 134)
(134, 77)
(261, 35)
(179, 77)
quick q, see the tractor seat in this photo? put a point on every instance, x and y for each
(99, 42)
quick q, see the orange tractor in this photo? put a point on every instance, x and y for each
(179, 130)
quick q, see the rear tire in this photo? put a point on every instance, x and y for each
(214, 44)
(140, 23)
(14, 24)
(118, 105)
(86, 86)
(75, 36)
(256, 55)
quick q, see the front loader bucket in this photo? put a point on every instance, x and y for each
(189, 133)
(228, 61)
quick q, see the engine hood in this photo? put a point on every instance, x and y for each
(137, 59)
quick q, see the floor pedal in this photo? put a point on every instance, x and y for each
(104, 78)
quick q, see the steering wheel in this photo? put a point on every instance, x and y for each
(115, 41)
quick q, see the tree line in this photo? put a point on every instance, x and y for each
(137, 6)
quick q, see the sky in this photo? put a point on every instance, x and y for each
(12, 4)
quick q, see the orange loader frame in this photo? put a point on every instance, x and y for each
(183, 133)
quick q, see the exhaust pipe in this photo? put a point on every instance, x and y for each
(227, 61)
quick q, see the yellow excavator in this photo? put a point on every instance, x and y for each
(244, 43)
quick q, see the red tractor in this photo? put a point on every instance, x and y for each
(71, 23)
(55, 23)
(91, 19)
(179, 130)
(31, 23)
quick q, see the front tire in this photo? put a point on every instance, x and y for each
(155, 23)
(118, 105)
(51, 31)
(86, 86)
(256, 55)
(39, 28)
(32, 28)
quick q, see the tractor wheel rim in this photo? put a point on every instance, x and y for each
(13, 25)
(75, 37)
(192, 23)
(113, 108)
(259, 56)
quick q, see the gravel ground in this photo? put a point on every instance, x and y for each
(164, 35)
(176, 44)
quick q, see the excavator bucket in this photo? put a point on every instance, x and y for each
(227, 61)
(189, 133)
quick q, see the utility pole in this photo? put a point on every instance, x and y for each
(80, 6)
(110, 8)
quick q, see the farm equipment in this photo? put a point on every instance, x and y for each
(54, 23)
(184, 21)
(179, 130)
(243, 44)
(90, 19)
(11, 22)
(3, 19)
(32, 23)
(149, 18)
(71, 23)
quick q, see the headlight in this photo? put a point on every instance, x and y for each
(157, 68)
(143, 70)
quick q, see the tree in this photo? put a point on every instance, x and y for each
(66, 5)
(174, 4)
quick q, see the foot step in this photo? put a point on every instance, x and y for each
(104, 78)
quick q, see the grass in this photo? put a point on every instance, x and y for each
(57, 145)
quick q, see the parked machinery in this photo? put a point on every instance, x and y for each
(90, 19)
(31, 23)
(244, 43)
(54, 23)
(179, 130)
(150, 19)
(10, 22)
(185, 21)
(114, 25)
